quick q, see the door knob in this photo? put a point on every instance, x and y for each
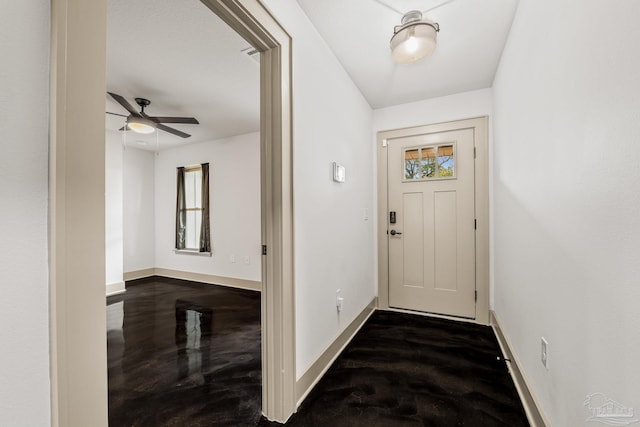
(394, 232)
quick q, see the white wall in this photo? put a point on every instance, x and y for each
(234, 185)
(113, 204)
(139, 209)
(566, 194)
(436, 110)
(24, 124)
(334, 245)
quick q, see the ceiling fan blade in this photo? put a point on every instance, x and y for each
(120, 100)
(173, 131)
(116, 114)
(185, 120)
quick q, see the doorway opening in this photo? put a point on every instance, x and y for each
(78, 350)
(178, 346)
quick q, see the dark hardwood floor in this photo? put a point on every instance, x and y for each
(409, 370)
(188, 354)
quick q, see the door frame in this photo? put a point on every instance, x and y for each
(479, 125)
(78, 359)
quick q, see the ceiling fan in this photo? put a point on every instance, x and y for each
(139, 121)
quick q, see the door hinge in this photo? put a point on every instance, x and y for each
(264, 249)
(476, 296)
(475, 224)
(474, 152)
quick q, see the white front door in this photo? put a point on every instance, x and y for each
(431, 223)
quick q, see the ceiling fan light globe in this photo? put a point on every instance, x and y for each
(140, 128)
(141, 125)
(413, 42)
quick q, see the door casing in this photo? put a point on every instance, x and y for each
(481, 143)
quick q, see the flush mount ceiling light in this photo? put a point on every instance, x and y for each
(414, 39)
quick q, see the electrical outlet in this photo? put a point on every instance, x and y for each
(232, 258)
(339, 301)
(544, 352)
(247, 260)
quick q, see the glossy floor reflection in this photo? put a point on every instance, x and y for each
(188, 354)
(183, 354)
(405, 370)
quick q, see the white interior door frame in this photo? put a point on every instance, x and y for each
(481, 171)
(77, 208)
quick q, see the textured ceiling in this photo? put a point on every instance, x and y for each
(470, 42)
(187, 62)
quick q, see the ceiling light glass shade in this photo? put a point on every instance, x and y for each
(415, 39)
(141, 125)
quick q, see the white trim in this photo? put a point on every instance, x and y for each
(78, 348)
(115, 288)
(531, 406)
(433, 315)
(232, 282)
(191, 252)
(481, 138)
(310, 378)
(139, 274)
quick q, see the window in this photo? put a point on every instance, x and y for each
(192, 209)
(429, 162)
(193, 206)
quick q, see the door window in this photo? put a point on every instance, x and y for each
(430, 162)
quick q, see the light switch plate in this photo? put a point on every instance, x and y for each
(338, 172)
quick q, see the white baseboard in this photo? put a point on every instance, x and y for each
(139, 274)
(532, 409)
(315, 372)
(232, 282)
(211, 279)
(115, 288)
(433, 315)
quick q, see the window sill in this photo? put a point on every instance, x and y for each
(192, 252)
